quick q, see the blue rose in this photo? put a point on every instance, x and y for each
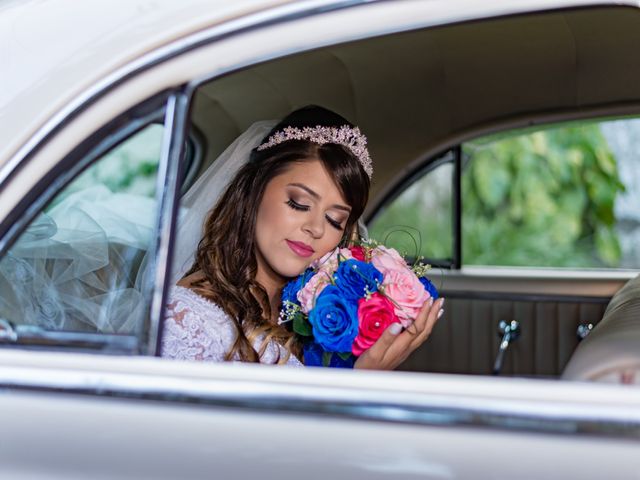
(334, 320)
(354, 278)
(313, 357)
(312, 353)
(429, 287)
(291, 289)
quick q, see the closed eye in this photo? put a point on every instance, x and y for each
(335, 224)
(305, 208)
(297, 206)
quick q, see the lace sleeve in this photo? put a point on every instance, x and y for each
(197, 329)
(194, 330)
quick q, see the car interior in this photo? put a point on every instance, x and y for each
(426, 99)
(420, 95)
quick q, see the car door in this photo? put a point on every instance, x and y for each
(540, 227)
(135, 416)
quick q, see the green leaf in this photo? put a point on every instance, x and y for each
(301, 326)
(326, 358)
(345, 355)
(606, 161)
(608, 246)
(492, 180)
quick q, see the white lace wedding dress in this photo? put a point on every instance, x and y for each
(198, 329)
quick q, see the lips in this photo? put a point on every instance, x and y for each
(301, 249)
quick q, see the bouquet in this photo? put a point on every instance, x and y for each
(344, 301)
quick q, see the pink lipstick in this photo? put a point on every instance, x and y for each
(301, 249)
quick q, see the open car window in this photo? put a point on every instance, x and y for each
(419, 221)
(76, 275)
(565, 195)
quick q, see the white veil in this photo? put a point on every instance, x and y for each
(82, 265)
(204, 193)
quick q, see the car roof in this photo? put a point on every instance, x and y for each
(50, 50)
(53, 50)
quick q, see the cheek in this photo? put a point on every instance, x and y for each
(274, 223)
(328, 242)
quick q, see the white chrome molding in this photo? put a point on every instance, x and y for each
(566, 417)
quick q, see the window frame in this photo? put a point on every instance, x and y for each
(449, 155)
(429, 162)
(157, 109)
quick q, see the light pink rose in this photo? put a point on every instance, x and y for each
(406, 292)
(330, 260)
(387, 259)
(308, 294)
(325, 267)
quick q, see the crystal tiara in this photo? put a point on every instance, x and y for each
(345, 135)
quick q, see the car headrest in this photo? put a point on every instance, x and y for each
(611, 352)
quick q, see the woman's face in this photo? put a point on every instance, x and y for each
(301, 217)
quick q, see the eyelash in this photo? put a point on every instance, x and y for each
(304, 208)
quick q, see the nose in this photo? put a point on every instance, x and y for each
(314, 225)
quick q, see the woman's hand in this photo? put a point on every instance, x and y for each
(395, 345)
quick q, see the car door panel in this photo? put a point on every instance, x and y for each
(466, 339)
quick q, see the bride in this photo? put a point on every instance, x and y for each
(298, 191)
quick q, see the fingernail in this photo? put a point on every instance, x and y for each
(440, 313)
(431, 301)
(395, 328)
(441, 301)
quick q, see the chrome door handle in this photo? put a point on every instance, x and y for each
(510, 332)
(583, 330)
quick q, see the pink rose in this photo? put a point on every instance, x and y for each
(325, 267)
(308, 294)
(406, 292)
(330, 260)
(374, 316)
(387, 259)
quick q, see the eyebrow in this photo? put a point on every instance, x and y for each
(316, 196)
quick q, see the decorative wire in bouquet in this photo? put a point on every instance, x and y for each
(342, 304)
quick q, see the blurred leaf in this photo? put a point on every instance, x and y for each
(608, 246)
(491, 180)
(606, 161)
(301, 326)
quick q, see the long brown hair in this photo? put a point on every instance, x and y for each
(226, 258)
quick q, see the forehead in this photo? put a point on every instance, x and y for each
(312, 174)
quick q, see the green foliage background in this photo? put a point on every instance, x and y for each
(532, 198)
(419, 221)
(131, 167)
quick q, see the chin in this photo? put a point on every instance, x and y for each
(291, 269)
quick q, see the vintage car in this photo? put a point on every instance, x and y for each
(502, 135)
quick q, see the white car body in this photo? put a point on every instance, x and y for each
(68, 69)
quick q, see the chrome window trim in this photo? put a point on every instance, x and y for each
(169, 174)
(413, 408)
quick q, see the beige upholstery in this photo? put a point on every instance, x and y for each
(419, 92)
(611, 353)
